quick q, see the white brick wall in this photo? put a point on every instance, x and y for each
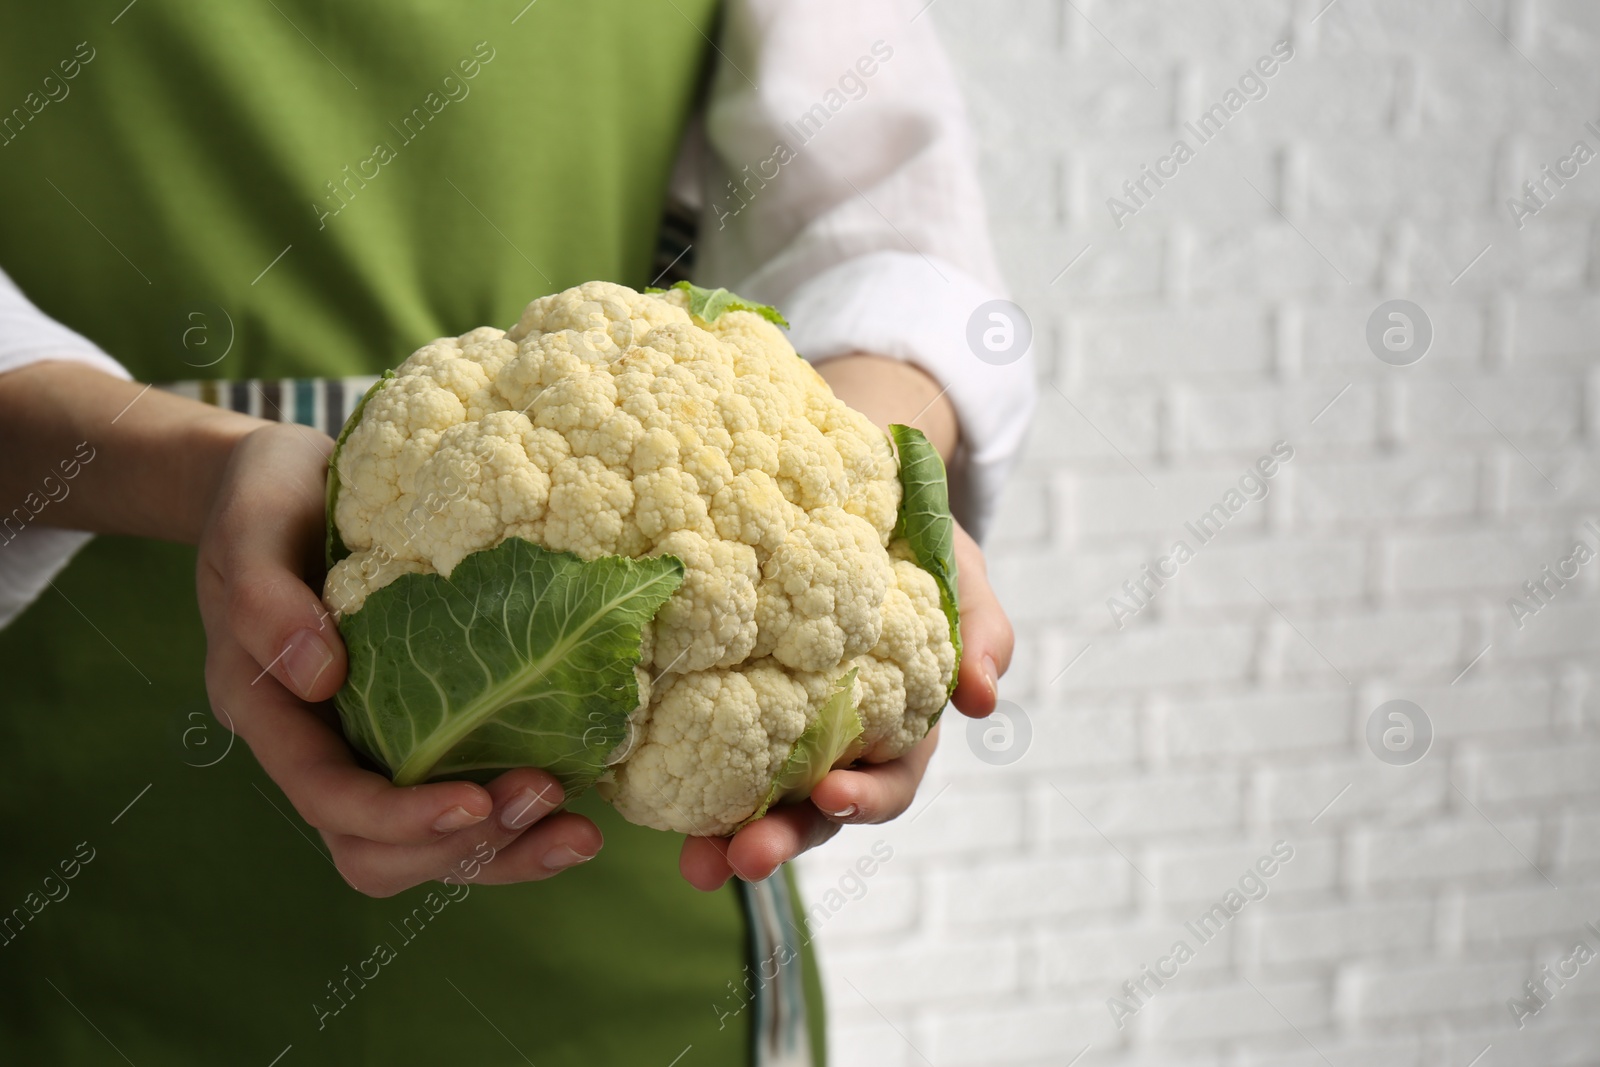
(1175, 751)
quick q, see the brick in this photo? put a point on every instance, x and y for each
(1167, 803)
(1017, 1032)
(1066, 429)
(1230, 1011)
(1330, 494)
(1077, 737)
(867, 1041)
(963, 819)
(840, 903)
(1048, 584)
(1099, 960)
(1167, 655)
(1278, 260)
(1403, 642)
(1253, 723)
(1497, 560)
(1550, 253)
(1228, 37)
(1550, 1040)
(1528, 411)
(913, 971)
(1580, 833)
(1122, 504)
(1175, 344)
(1352, 95)
(1455, 89)
(1240, 420)
(1486, 705)
(1564, 627)
(1335, 340)
(1514, 917)
(1357, 928)
(1399, 1050)
(1564, 770)
(1290, 796)
(1373, 992)
(1202, 191)
(1023, 519)
(1443, 851)
(1366, 177)
(1556, 483)
(1187, 874)
(1014, 890)
(1556, 330)
(1129, 265)
(1299, 571)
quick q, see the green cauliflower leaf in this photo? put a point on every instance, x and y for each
(523, 657)
(709, 305)
(826, 743)
(926, 524)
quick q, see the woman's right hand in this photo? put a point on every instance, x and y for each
(273, 661)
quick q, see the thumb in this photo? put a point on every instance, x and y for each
(265, 543)
(986, 635)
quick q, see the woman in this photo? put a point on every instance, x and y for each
(284, 196)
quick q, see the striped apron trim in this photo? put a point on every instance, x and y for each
(774, 972)
(774, 986)
(322, 403)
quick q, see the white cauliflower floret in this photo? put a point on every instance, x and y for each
(610, 422)
(712, 743)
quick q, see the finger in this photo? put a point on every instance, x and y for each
(986, 635)
(558, 843)
(756, 851)
(875, 792)
(266, 530)
(319, 774)
(523, 842)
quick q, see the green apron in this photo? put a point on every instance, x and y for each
(292, 189)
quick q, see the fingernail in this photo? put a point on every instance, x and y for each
(991, 676)
(525, 808)
(454, 819)
(845, 813)
(305, 656)
(559, 859)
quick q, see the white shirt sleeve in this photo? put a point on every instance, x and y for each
(29, 559)
(839, 186)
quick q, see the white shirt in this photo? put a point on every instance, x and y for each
(835, 176)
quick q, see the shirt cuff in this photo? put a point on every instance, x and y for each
(912, 308)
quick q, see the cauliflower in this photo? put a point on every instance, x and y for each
(636, 540)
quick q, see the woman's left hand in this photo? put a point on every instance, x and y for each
(871, 793)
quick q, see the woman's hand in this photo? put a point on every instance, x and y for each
(887, 391)
(274, 659)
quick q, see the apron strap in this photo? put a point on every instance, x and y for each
(781, 1036)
